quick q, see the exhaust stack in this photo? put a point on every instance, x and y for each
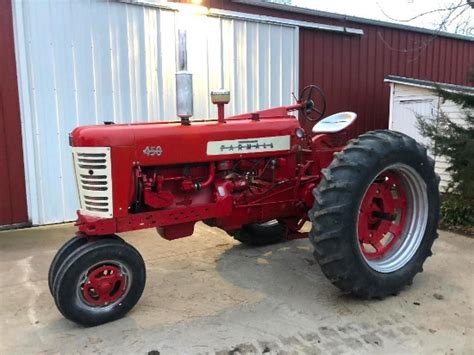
(184, 82)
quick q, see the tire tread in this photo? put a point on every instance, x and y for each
(331, 249)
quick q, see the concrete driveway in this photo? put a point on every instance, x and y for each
(209, 294)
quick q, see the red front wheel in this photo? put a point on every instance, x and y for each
(99, 282)
(104, 284)
(67, 249)
(376, 214)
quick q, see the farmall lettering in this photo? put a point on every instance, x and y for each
(372, 202)
(246, 146)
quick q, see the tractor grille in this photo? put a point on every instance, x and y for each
(94, 180)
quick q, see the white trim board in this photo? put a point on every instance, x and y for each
(246, 16)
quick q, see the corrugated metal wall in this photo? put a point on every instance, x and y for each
(12, 182)
(351, 69)
(84, 62)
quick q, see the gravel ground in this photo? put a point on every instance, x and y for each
(208, 294)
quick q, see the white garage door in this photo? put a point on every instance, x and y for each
(84, 62)
(406, 110)
(408, 103)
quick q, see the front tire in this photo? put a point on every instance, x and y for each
(376, 214)
(99, 282)
(67, 249)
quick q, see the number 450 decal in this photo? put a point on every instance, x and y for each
(153, 150)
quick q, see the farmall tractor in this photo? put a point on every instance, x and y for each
(372, 201)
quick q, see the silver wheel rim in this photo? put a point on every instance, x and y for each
(269, 223)
(414, 230)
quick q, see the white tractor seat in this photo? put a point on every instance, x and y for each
(335, 123)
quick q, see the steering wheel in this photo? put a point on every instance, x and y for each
(314, 103)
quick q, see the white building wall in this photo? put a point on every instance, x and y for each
(85, 62)
(407, 102)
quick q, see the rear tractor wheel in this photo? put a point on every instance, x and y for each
(376, 214)
(99, 282)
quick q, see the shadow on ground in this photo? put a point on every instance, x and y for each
(210, 294)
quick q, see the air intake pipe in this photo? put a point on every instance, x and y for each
(184, 82)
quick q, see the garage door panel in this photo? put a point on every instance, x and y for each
(406, 112)
(88, 62)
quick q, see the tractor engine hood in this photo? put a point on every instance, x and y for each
(173, 143)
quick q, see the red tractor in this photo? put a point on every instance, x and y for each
(372, 201)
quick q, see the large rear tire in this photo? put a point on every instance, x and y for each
(267, 233)
(375, 214)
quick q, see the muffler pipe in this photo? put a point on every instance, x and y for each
(184, 82)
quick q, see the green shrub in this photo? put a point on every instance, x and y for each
(456, 212)
(455, 141)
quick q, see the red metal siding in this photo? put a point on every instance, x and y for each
(351, 69)
(12, 176)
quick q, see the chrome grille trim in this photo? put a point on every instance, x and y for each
(93, 170)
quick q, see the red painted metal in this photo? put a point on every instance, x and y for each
(189, 185)
(382, 215)
(182, 143)
(104, 284)
(186, 183)
(220, 112)
(13, 208)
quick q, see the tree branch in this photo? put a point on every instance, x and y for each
(451, 8)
